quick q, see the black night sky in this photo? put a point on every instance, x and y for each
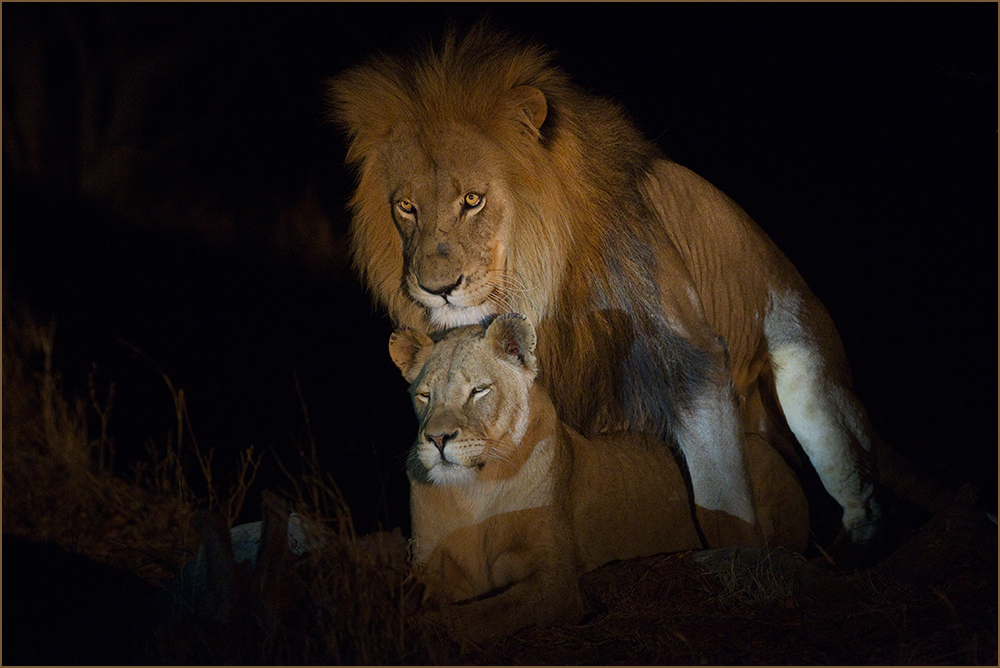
(171, 185)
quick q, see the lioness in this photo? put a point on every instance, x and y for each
(488, 183)
(509, 505)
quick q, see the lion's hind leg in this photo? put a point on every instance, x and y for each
(832, 427)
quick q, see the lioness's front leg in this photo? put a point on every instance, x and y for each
(529, 564)
(548, 593)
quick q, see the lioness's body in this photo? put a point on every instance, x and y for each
(512, 505)
(489, 184)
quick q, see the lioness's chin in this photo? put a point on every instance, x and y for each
(452, 474)
(449, 316)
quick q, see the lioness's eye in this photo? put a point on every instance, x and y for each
(479, 391)
(406, 206)
(472, 200)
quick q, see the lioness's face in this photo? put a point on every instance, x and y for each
(448, 200)
(470, 395)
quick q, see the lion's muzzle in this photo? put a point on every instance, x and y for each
(440, 290)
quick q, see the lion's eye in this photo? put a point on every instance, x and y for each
(472, 200)
(406, 206)
(479, 391)
(423, 397)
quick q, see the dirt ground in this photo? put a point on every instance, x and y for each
(931, 601)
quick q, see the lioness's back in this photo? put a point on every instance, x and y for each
(629, 500)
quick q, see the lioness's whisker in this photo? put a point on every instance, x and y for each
(502, 301)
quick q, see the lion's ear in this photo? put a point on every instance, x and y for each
(530, 107)
(513, 338)
(409, 349)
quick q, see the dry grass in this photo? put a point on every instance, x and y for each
(57, 482)
(343, 602)
(751, 578)
(347, 600)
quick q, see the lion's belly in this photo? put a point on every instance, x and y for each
(629, 501)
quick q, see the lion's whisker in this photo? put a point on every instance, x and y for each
(510, 282)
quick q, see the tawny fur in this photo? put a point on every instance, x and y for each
(660, 306)
(513, 505)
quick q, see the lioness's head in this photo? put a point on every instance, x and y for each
(470, 392)
(451, 167)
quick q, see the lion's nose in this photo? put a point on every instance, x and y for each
(440, 440)
(441, 291)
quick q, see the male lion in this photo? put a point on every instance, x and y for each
(509, 505)
(488, 183)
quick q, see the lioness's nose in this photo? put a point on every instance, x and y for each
(440, 440)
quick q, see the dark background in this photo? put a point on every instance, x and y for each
(171, 185)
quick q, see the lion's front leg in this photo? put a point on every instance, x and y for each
(711, 438)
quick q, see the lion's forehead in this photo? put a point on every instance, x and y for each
(455, 156)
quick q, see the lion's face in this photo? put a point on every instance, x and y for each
(470, 392)
(448, 199)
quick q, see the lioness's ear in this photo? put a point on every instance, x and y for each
(530, 106)
(513, 338)
(409, 349)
